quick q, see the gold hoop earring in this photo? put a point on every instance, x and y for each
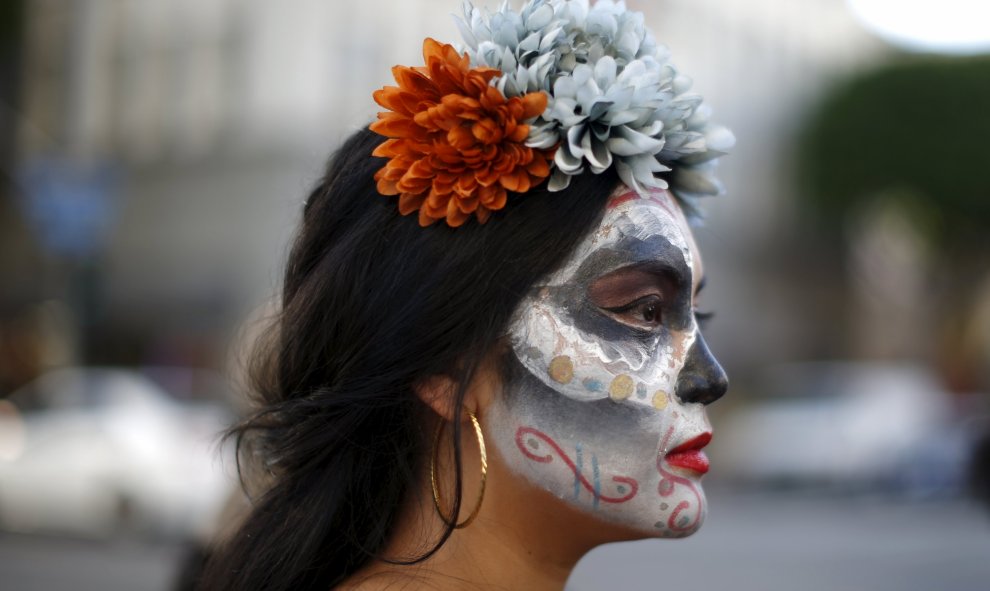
(484, 475)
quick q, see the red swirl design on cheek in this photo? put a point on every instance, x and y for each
(522, 432)
(668, 482)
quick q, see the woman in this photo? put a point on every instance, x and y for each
(478, 399)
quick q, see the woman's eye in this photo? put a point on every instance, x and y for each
(642, 313)
(650, 312)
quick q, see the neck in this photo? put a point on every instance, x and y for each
(521, 539)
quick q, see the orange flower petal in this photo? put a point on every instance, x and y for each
(420, 169)
(491, 98)
(425, 219)
(498, 202)
(466, 185)
(486, 131)
(388, 97)
(414, 82)
(460, 138)
(395, 126)
(410, 202)
(444, 183)
(534, 103)
(539, 168)
(432, 49)
(518, 134)
(517, 182)
(387, 187)
(395, 99)
(455, 217)
(411, 103)
(467, 205)
(487, 178)
(385, 149)
(464, 105)
(395, 169)
(493, 198)
(436, 203)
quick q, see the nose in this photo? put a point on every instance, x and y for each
(702, 379)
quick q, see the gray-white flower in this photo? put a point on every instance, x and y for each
(605, 117)
(615, 99)
(521, 44)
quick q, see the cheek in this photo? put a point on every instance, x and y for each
(601, 457)
(575, 449)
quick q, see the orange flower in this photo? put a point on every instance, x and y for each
(457, 145)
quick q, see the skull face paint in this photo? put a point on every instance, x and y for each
(605, 386)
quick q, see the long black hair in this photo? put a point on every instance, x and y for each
(371, 305)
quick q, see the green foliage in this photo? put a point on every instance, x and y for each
(916, 130)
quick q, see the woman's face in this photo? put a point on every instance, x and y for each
(605, 390)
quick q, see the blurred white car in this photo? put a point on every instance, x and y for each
(849, 426)
(97, 451)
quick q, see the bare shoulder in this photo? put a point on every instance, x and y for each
(389, 580)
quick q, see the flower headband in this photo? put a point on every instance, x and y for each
(546, 92)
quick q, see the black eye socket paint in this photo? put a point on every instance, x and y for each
(655, 255)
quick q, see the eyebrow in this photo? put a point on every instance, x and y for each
(663, 269)
(636, 278)
(656, 255)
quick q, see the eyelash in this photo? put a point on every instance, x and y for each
(703, 318)
(642, 303)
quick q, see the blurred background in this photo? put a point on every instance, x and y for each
(155, 156)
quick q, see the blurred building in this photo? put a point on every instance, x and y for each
(216, 117)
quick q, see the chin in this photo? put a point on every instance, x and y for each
(673, 510)
(678, 516)
(681, 506)
(667, 532)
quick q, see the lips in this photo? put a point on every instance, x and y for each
(689, 456)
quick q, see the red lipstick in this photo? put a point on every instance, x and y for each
(689, 456)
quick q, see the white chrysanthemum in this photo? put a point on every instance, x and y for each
(521, 44)
(615, 99)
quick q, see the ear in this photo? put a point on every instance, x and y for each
(439, 392)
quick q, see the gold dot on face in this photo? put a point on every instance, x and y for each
(621, 388)
(660, 400)
(561, 369)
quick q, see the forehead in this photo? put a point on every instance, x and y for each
(634, 219)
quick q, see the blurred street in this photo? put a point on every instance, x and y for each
(750, 542)
(771, 542)
(37, 563)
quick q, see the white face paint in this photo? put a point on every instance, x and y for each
(609, 374)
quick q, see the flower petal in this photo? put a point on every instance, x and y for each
(410, 202)
(534, 103)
